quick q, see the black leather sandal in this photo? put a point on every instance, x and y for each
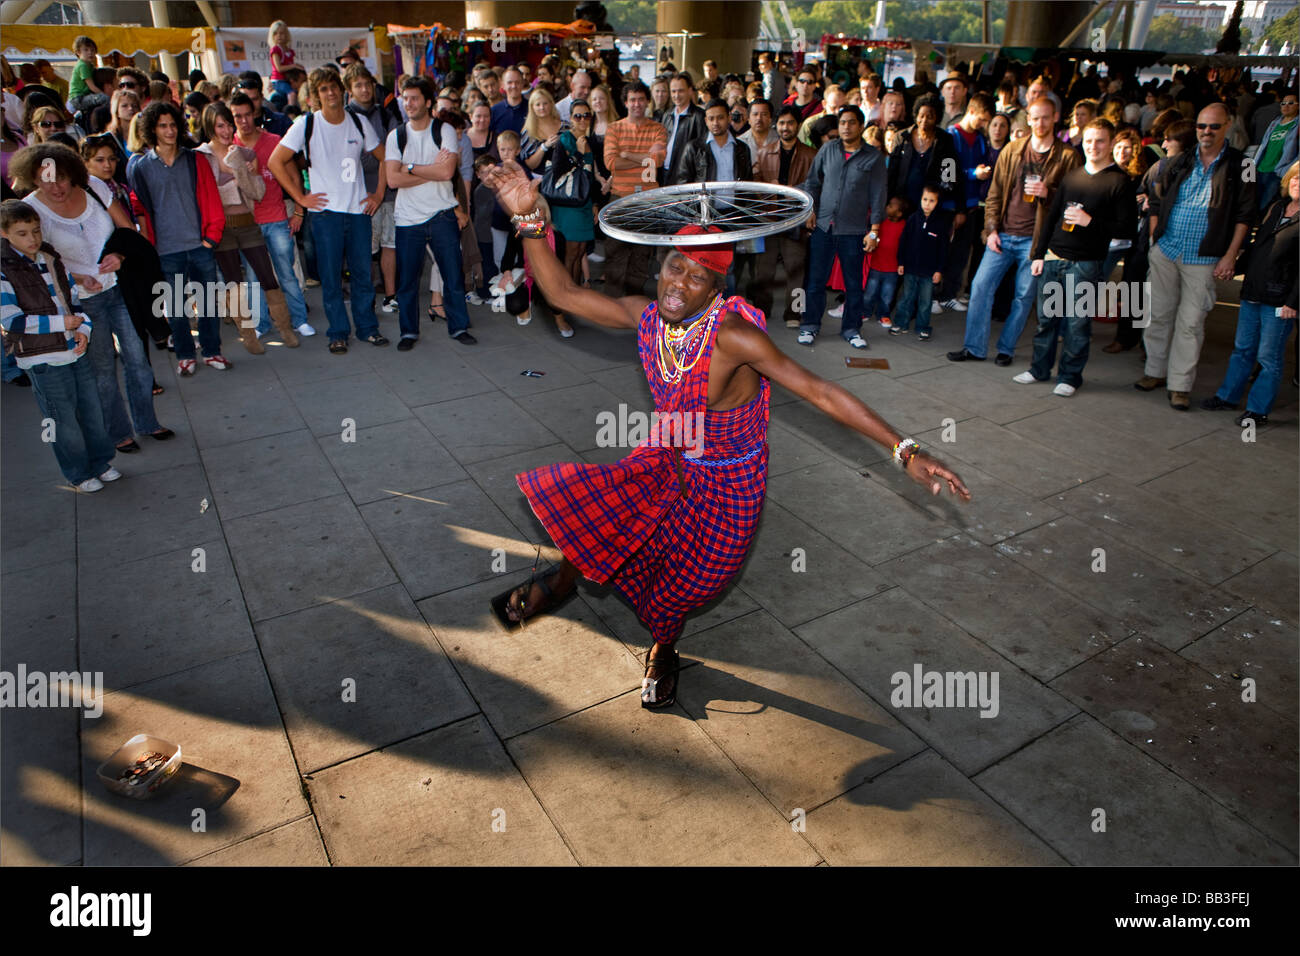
(550, 602)
(652, 695)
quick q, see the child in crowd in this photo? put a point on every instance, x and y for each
(482, 207)
(507, 249)
(282, 56)
(882, 275)
(47, 334)
(922, 255)
(83, 94)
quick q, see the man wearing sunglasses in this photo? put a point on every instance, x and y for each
(1277, 150)
(1201, 211)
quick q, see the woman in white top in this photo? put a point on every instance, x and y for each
(78, 215)
(241, 185)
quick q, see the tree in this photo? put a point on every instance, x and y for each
(1230, 42)
(1170, 34)
(633, 16)
(949, 21)
(1285, 29)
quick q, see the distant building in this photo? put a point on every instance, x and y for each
(1258, 15)
(1205, 16)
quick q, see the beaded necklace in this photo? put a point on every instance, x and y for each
(674, 345)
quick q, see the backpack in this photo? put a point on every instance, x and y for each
(402, 136)
(303, 156)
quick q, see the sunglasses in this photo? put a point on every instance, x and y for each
(1209, 126)
(46, 124)
(580, 116)
(126, 85)
(1290, 103)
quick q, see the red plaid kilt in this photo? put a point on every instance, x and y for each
(668, 549)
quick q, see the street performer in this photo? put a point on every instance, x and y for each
(670, 530)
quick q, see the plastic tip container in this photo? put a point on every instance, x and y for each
(140, 766)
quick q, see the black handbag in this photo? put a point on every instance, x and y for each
(566, 182)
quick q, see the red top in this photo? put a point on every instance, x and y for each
(270, 208)
(885, 256)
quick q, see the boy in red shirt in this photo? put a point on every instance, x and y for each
(882, 280)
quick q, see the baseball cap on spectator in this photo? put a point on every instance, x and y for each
(250, 80)
(351, 53)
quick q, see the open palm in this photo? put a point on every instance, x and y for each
(516, 193)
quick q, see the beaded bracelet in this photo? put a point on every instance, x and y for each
(905, 450)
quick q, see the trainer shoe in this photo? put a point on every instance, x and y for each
(935, 308)
(218, 362)
(886, 322)
(90, 485)
(952, 305)
(112, 474)
(306, 330)
(895, 330)
(858, 342)
(310, 283)
(1063, 389)
(924, 336)
(594, 256)
(389, 304)
(837, 312)
(1025, 378)
(805, 338)
(473, 298)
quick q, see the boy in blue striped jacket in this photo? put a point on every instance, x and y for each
(47, 334)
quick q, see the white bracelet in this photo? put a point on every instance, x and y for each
(901, 447)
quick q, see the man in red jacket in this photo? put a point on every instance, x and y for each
(181, 198)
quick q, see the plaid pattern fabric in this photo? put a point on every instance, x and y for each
(668, 549)
(1188, 220)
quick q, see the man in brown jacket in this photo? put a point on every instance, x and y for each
(1025, 178)
(786, 162)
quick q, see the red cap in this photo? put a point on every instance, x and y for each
(716, 257)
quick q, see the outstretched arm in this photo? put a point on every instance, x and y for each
(744, 344)
(518, 196)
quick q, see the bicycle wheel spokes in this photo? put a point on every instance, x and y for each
(740, 210)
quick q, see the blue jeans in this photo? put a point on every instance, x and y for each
(69, 395)
(10, 367)
(279, 244)
(192, 265)
(918, 290)
(821, 259)
(994, 265)
(442, 234)
(340, 234)
(879, 296)
(108, 317)
(1261, 336)
(1057, 315)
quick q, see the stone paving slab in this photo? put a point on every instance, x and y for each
(794, 726)
(238, 766)
(966, 392)
(440, 379)
(147, 515)
(795, 588)
(390, 459)
(789, 451)
(1068, 431)
(41, 800)
(432, 801)
(264, 474)
(892, 633)
(522, 679)
(618, 616)
(1270, 585)
(1255, 645)
(1217, 493)
(40, 623)
(401, 683)
(458, 522)
(482, 427)
(1034, 469)
(574, 414)
(1061, 785)
(1144, 594)
(303, 555)
(923, 813)
(39, 527)
(294, 844)
(858, 514)
(502, 368)
(1205, 548)
(829, 436)
(1198, 726)
(132, 636)
(363, 400)
(256, 408)
(598, 769)
(1041, 628)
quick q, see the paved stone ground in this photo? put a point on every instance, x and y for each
(372, 562)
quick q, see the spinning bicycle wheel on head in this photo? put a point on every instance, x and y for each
(737, 210)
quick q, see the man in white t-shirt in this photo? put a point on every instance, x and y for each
(422, 169)
(579, 89)
(339, 207)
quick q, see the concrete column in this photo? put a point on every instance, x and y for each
(730, 33)
(486, 14)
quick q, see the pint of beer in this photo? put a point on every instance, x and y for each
(1031, 179)
(1066, 224)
